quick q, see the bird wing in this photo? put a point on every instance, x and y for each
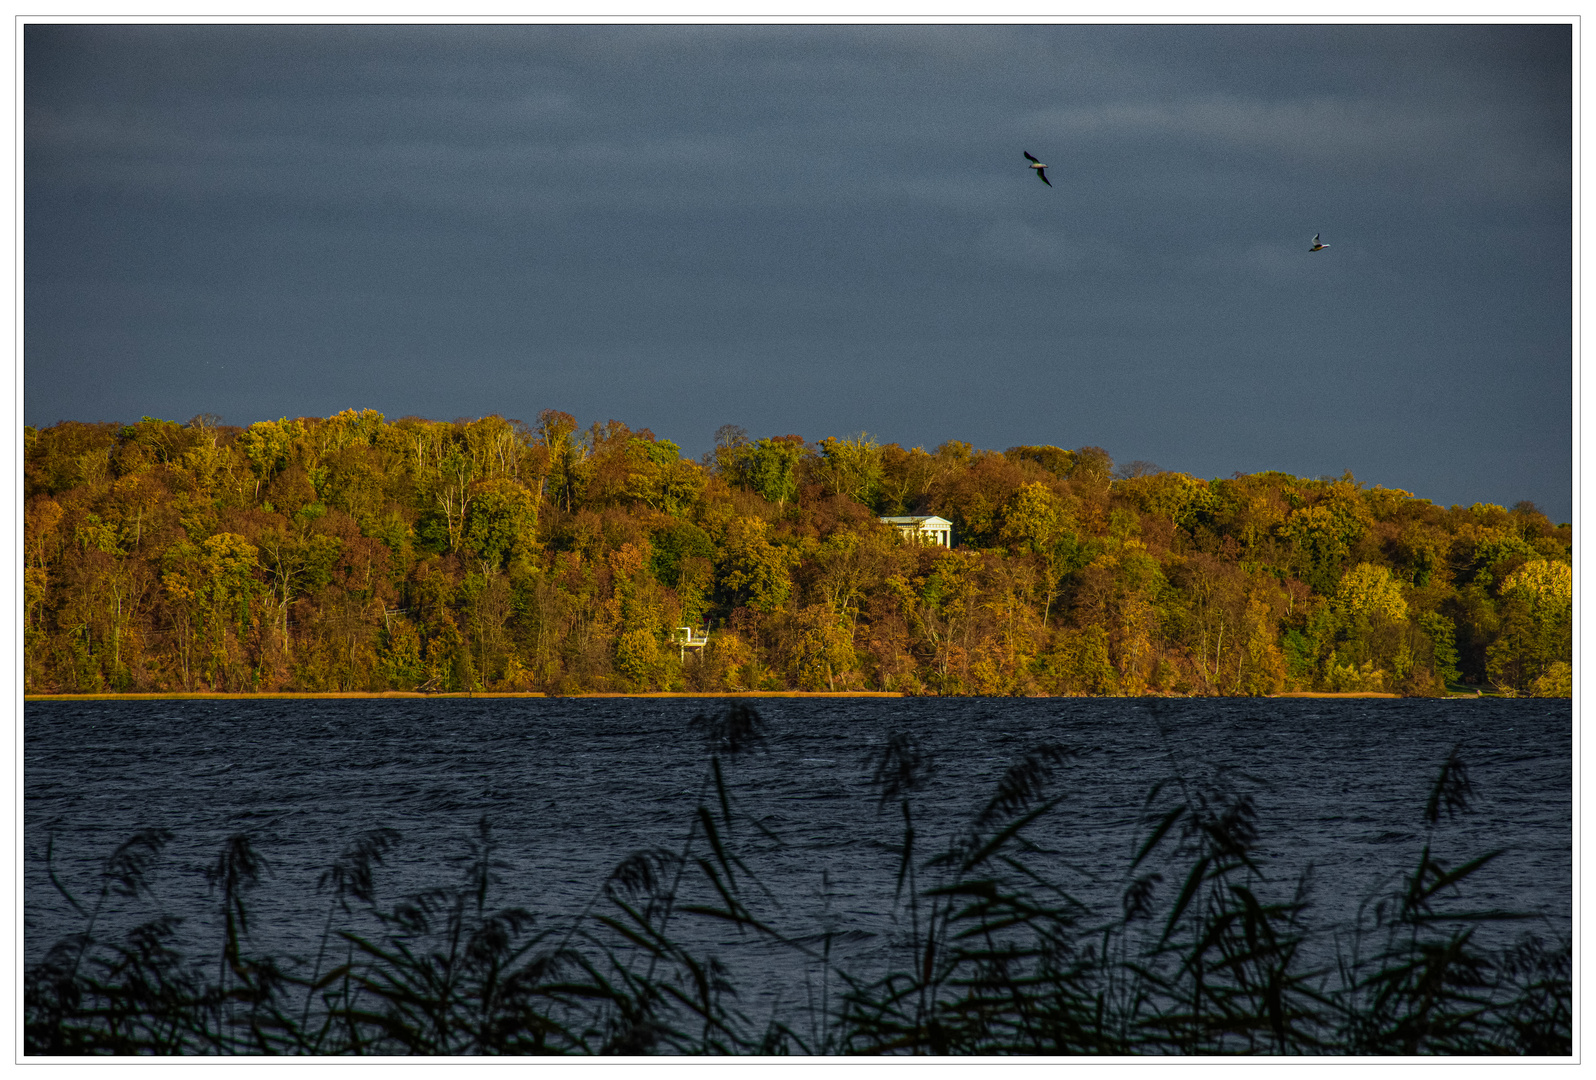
(1042, 174)
(1028, 156)
(1315, 238)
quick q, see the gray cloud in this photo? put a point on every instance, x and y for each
(821, 229)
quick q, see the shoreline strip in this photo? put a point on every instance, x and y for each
(413, 695)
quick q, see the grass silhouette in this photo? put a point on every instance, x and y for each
(1204, 954)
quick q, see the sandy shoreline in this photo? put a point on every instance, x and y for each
(412, 694)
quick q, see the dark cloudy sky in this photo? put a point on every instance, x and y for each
(823, 230)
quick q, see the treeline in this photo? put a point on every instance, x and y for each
(355, 553)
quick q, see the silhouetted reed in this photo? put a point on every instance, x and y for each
(1205, 954)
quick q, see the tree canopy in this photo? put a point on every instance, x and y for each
(352, 552)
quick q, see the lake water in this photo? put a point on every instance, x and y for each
(572, 786)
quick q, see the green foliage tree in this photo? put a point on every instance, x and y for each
(752, 570)
(501, 523)
(851, 468)
(769, 467)
(1537, 625)
(1039, 522)
(1321, 536)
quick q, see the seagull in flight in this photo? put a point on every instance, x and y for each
(1041, 170)
(1316, 245)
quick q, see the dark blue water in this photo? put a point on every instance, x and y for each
(573, 786)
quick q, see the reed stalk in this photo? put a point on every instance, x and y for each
(1206, 954)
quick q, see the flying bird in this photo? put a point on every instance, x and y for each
(1041, 170)
(1316, 245)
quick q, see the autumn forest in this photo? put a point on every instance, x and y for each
(354, 553)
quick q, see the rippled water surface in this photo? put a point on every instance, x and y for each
(572, 786)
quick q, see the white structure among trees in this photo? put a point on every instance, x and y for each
(685, 637)
(926, 529)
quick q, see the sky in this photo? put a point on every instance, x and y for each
(826, 230)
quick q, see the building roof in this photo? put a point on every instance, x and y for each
(917, 519)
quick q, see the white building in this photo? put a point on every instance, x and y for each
(685, 637)
(927, 530)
